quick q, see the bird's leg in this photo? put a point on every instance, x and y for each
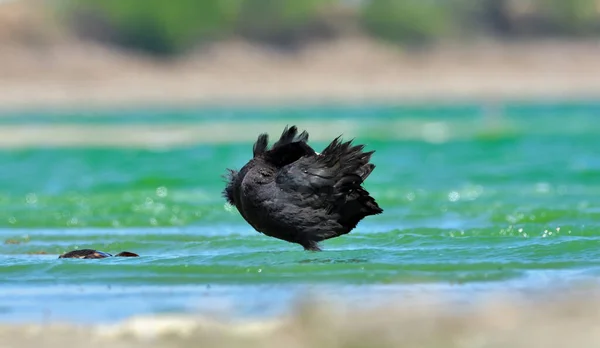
(311, 246)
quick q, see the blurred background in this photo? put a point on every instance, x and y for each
(125, 52)
(84, 55)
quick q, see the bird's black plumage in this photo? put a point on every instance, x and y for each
(93, 254)
(292, 193)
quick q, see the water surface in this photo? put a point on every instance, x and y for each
(474, 202)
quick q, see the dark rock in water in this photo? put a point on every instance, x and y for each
(293, 193)
(93, 254)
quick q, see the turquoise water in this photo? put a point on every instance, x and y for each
(475, 201)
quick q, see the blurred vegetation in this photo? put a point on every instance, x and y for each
(411, 21)
(156, 26)
(573, 17)
(171, 27)
(284, 23)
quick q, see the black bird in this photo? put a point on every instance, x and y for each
(293, 193)
(93, 254)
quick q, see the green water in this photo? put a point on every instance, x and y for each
(471, 204)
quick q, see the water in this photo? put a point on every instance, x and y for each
(475, 201)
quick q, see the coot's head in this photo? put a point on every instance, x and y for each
(127, 254)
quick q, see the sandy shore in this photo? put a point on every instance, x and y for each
(557, 321)
(347, 71)
(41, 65)
(353, 70)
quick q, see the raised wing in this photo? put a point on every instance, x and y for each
(339, 168)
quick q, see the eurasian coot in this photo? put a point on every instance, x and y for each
(93, 254)
(293, 193)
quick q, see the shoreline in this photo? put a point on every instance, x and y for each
(497, 321)
(78, 75)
